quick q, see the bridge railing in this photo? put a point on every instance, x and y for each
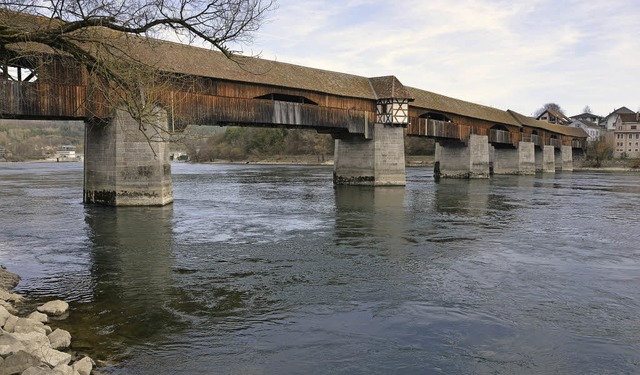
(579, 143)
(556, 143)
(193, 108)
(537, 140)
(436, 129)
(443, 129)
(500, 136)
(41, 100)
(31, 99)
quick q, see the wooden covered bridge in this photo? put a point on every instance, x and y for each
(368, 117)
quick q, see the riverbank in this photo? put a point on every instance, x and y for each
(410, 161)
(613, 165)
(29, 346)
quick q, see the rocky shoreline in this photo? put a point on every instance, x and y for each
(28, 346)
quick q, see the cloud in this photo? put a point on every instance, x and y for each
(508, 54)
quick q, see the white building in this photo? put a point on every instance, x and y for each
(590, 128)
(66, 152)
(587, 117)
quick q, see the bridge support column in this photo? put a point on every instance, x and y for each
(519, 160)
(564, 159)
(377, 161)
(457, 160)
(545, 159)
(124, 168)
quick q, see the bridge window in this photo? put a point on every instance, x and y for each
(287, 98)
(435, 116)
(17, 73)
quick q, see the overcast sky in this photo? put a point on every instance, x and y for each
(508, 54)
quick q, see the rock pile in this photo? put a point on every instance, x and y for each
(30, 347)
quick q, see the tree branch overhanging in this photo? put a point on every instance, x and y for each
(101, 35)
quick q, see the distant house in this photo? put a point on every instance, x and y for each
(626, 135)
(590, 117)
(66, 152)
(589, 127)
(609, 121)
(554, 117)
(2, 151)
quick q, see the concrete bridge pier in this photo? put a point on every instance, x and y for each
(123, 167)
(509, 160)
(370, 159)
(545, 159)
(454, 159)
(564, 159)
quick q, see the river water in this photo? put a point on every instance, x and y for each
(270, 270)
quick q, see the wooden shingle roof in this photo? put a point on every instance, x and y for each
(544, 125)
(389, 87)
(436, 102)
(629, 117)
(185, 59)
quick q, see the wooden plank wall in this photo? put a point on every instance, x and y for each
(461, 127)
(192, 108)
(63, 91)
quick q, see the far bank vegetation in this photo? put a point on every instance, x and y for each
(255, 144)
(33, 140)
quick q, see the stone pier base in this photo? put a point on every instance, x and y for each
(545, 159)
(519, 160)
(377, 161)
(125, 168)
(564, 159)
(454, 159)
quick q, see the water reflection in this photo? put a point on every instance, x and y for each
(131, 275)
(368, 216)
(285, 274)
(462, 197)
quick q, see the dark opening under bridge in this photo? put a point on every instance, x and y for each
(368, 117)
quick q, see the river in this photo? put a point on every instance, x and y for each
(260, 269)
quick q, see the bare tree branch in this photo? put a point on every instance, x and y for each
(98, 35)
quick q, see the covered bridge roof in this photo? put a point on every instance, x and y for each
(429, 100)
(544, 125)
(186, 59)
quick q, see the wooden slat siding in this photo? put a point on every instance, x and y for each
(423, 127)
(579, 143)
(250, 91)
(41, 100)
(197, 109)
(476, 126)
(500, 136)
(467, 125)
(537, 141)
